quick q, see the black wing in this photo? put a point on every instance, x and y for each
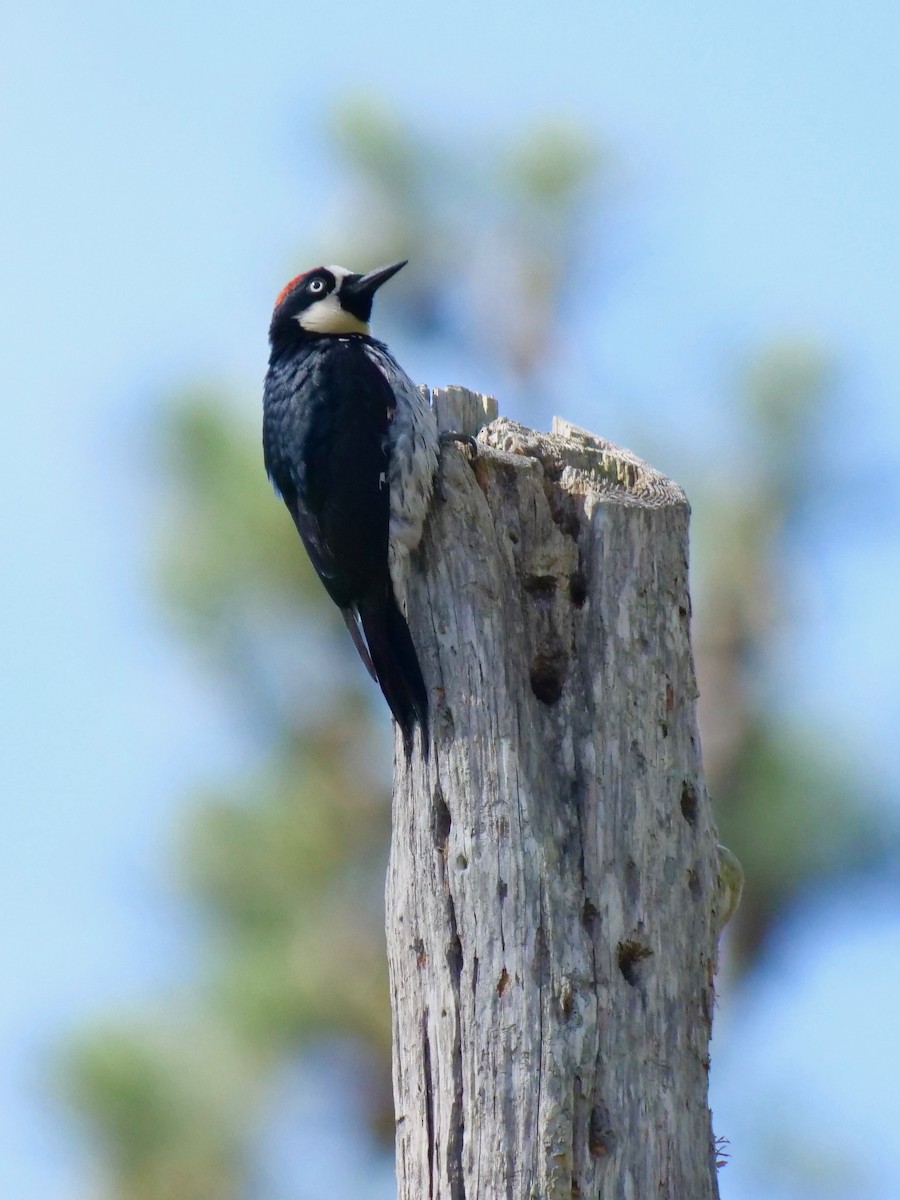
(325, 440)
(325, 435)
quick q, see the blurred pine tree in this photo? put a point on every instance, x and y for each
(288, 863)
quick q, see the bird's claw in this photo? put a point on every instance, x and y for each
(463, 439)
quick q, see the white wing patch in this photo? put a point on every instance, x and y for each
(412, 463)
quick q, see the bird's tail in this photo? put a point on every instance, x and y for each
(396, 665)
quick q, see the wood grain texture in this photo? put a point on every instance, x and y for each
(551, 899)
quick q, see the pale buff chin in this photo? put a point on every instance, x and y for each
(327, 316)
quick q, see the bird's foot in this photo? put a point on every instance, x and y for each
(463, 439)
(469, 447)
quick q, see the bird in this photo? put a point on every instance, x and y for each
(351, 446)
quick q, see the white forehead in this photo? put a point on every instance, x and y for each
(340, 273)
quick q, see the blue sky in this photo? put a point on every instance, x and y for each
(162, 163)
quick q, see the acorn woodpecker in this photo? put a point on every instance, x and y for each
(351, 446)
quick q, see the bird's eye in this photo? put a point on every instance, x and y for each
(316, 286)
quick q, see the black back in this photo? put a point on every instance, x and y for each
(326, 412)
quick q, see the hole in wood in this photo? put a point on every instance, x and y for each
(689, 802)
(632, 956)
(601, 1138)
(547, 678)
(542, 587)
(455, 957)
(440, 821)
(577, 589)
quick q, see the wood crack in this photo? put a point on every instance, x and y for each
(429, 1102)
(456, 1130)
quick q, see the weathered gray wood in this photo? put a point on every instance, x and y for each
(463, 411)
(552, 889)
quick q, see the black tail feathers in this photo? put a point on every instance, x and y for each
(396, 665)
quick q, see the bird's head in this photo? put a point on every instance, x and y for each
(329, 300)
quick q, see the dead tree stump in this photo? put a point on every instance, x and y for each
(552, 892)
